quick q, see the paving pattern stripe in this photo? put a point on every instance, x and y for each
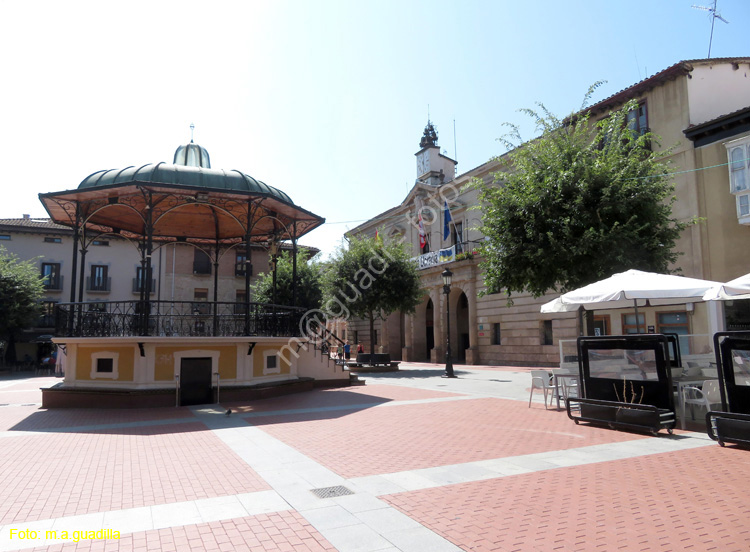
(370, 528)
(413, 480)
(134, 520)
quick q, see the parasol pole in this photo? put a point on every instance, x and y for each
(637, 320)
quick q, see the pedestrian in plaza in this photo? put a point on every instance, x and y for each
(347, 351)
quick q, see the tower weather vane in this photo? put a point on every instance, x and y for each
(192, 128)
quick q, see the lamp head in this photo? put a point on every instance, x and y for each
(447, 277)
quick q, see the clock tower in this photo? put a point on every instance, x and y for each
(433, 167)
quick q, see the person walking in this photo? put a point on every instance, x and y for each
(347, 351)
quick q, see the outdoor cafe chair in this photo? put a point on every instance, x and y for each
(541, 379)
(707, 396)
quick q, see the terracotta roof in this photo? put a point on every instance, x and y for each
(33, 224)
(720, 128)
(670, 73)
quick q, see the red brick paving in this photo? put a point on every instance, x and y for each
(407, 437)
(688, 500)
(35, 418)
(281, 531)
(354, 396)
(64, 474)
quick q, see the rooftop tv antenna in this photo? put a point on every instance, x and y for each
(714, 15)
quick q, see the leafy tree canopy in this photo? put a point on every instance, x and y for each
(579, 203)
(371, 279)
(309, 282)
(21, 290)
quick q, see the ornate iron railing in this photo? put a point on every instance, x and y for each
(175, 319)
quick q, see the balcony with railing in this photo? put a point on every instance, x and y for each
(101, 284)
(458, 252)
(176, 319)
(139, 285)
(53, 282)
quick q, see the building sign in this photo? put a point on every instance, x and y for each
(434, 258)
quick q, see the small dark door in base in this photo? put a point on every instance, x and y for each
(195, 381)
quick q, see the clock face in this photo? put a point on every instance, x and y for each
(423, 162)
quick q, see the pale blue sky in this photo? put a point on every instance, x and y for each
(326, 100)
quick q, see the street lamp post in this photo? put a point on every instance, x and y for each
(447, 279)
(274, 251)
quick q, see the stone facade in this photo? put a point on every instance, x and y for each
(686, 105)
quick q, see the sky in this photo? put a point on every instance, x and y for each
(326, 99)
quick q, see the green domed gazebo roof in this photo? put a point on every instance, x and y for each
(184, 176)
(183, 201)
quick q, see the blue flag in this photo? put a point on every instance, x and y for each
(446, 220)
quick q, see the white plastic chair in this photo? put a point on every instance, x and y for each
(541, 379)
(569, 388)
(707, 396)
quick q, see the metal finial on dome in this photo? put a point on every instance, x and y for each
(429, 138)
(192, 155)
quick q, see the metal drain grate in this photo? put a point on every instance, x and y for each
(331, 492)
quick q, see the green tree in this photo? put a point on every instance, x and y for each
(579, 203)
(371, 279)
(21, 290)
(309, 282)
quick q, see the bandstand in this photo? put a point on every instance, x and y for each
(155, 352)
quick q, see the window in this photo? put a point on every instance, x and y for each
(200, 295)
(738, 168)
(630, 327)
(547, 332)
(271, 363)
(496, 334)
(240, 298)
(637, 120)
(743, 205)
(458, 236)
(201, 262)
(426, 248)
(100, 242)
(48, 239)
(99, 279)
(241, 265)
(47, 319)
(675, 323)
(140, 280)
(104, 365)
(51, 276)
(739, 177)
(601, 324)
